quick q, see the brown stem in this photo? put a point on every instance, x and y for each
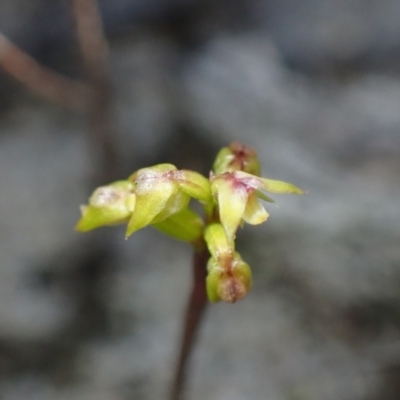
(194, 312)
(41, 80)
(94, 50)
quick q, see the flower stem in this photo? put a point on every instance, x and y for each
(192, 321)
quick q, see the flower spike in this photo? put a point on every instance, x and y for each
(160, 196)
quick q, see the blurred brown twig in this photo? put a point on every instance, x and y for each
(41, 80)
(94, 97)
(94, 51)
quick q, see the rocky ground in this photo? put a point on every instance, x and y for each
(314, 86)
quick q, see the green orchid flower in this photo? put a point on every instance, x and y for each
(237, 194)
(162, 191)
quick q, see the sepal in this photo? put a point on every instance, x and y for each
(280, 187)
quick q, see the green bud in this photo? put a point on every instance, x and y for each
(228, 282)
(109, 205)
(229, 277)
(237, 157)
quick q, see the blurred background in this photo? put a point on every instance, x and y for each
(314, 87)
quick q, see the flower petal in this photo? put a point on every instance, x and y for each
(263, 196)
(273, 186)
(95, 217)
(232, 198)
(254, 213)
(176, 203)
(194, 184)
(150, 201)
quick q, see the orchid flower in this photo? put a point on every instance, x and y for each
(159, 196)
(237, 194)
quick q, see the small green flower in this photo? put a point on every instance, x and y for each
(237, 194)
(229, 277)
(162, 191)
(109, 205)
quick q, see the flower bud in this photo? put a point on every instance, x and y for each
(109, 205)
(229, 283)
(237, 157)
(229, 277)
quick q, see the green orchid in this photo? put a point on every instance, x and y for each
(237, 194)
(159, 196)
(162, 191)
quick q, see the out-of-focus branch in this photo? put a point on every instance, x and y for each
(93, 97)
(93, 45)
(94, 50)
(41, 80)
